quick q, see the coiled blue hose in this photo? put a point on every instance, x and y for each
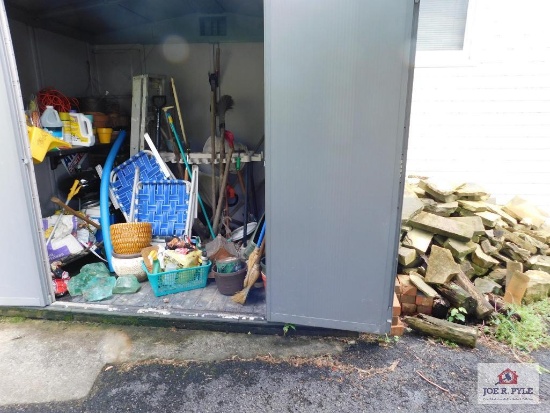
(104, 219)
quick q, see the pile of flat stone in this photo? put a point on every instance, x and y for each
(468, 250)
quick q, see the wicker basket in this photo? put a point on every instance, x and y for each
(131, 237)
(129, 265)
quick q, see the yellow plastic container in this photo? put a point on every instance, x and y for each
(104, 134)
(42, 142)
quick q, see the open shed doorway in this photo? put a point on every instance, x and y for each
(94, 52)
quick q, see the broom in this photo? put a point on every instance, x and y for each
(253, 272)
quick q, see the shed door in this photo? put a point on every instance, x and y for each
(338, 76)
(23, 274)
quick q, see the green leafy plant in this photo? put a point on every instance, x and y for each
(287, 327)
(457, 314)
(447, 343)
(386, 339)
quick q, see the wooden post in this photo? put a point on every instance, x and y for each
(483, 307)
(458, 297)
(443, 329)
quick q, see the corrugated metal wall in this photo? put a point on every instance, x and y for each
(484, 115)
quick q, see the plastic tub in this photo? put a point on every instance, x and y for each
(230, 283)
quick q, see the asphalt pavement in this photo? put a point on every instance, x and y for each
(77, 367)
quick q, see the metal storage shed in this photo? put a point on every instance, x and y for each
(338, 78)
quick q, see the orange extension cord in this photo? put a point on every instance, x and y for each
(52, 97)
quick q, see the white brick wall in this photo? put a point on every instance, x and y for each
(484, 116)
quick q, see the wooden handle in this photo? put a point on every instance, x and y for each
(71, 211)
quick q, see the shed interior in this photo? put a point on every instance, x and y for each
(92, 50)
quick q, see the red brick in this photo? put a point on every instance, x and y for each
(408, 309)
(422, 300)
(397, 288)
(408, 299)
(407, 287)
(396, 310)
(422, 309)
(398, 329)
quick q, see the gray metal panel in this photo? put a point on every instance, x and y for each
(337, 81)
(23, 278)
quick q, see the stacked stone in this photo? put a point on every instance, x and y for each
(449, 229)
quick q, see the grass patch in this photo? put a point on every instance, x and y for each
(12, 320)
(528, 332)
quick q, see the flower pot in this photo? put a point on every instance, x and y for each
(230, 283)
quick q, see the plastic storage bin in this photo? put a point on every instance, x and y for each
(177, 281)
(165, 205)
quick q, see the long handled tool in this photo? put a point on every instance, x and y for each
(213, 79)
(73, 191)
(184, 136)
(188, 168)
(224, 104)
(217, 216)
(67, 209)
(158, 102)
(253, 272)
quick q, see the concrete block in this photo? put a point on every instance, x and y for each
(516, 239)
(474, 221)
(471, 190)
(489, 219)
(467, 269)
(539, 262)
(406, 256)
(441, 266)
(498, 275)
(483, 260)
(411, 207)
(474, 206)
(442, 226)
(488, 248)
(443, 209)
(478, 271)
(515, 252)
(485, 286)
(495, 209)
(511, 268)
(460, 249)
(418, 239)
(525, 211)
(538, 286)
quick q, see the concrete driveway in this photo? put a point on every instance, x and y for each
(71, 367)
